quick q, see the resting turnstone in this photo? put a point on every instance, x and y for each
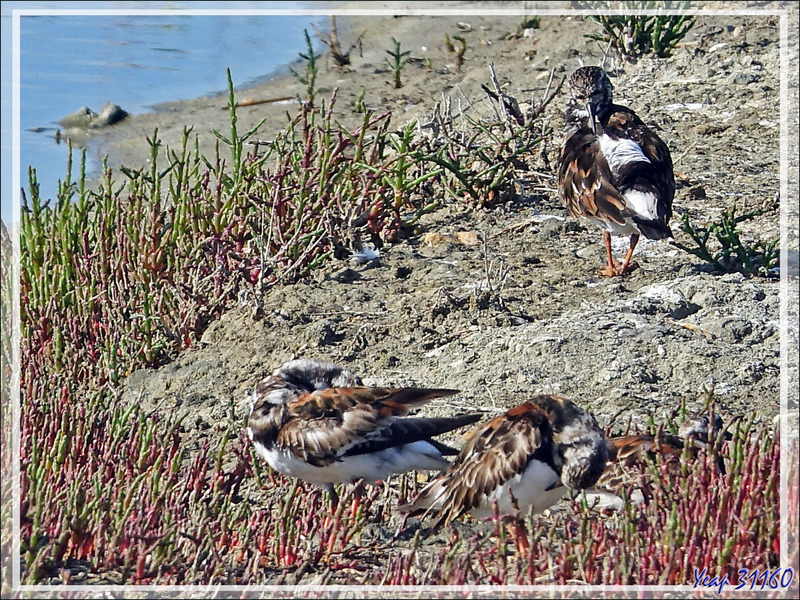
(316, 421)
(627, 454)
(526, 459)
(697, 430)
(614, 170)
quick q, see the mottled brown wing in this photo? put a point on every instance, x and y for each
(494, 454)
(584, 180)
(632, 449)
(625, 474)
(656, 176)
(321, 426)
(624, 123)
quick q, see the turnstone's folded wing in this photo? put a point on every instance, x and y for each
(327, 424)
(521, 460)
(313, 420)
(632, 449)
(584, 180)
(642, 169)
(494, 455)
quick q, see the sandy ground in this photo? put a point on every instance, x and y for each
(523, 312)
(714, 102)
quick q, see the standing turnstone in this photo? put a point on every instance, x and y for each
(526, 459)
(627, 454)
(315, 421)
(614, 170)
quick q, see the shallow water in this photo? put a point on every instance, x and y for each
(69, 61)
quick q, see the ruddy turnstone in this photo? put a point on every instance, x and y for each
(614, 170)
(526, 459)
(627, 454)
(314, 420)
(697, 430)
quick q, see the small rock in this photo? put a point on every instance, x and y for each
(346, 275)
(402, 272)
(80, 119)
(85, 118)
(732, 278)
(698, 192)
(108, 115)
(708, 129)
(728, 329)
(742, 78)
(707, 298)
(324, 333)
(661, 298)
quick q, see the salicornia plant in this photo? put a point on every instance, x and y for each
(309, 76)
(721, 245)
(397, 63)
(635, 35)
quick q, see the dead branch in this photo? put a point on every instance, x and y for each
(332, 42)
(536, 110)
(509, 103)
(265, 101)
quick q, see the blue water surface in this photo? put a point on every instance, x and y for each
(68, 61)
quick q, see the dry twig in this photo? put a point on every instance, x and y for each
(332, 42)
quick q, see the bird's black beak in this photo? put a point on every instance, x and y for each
(591, 117)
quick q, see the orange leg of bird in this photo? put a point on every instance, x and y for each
(519, 533)
(629, 265)
(614, 268)
(334, 504)
(357, 494)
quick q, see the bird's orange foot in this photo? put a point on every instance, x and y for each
(626, 269)
(608, 271)
(618, 269)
